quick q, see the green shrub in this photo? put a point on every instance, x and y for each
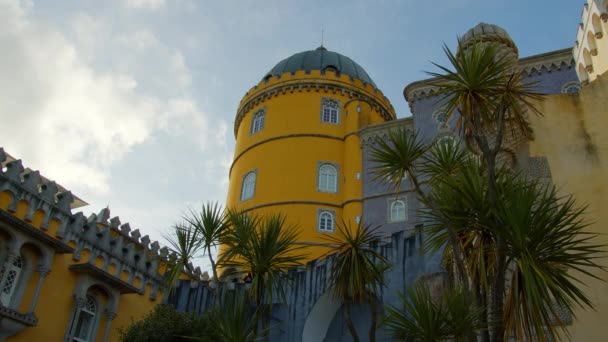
(166, 324)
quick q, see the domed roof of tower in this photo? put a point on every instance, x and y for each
(484, 32)
(320, 59)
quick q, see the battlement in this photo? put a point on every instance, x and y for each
(99, 243)
(591, 43)
(314, 80)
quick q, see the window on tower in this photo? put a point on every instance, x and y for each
(327, 178)
(248, 187)
(257, 124)
(326, 221)
(330, 111)
(397, 210)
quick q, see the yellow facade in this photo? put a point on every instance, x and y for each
(61, 270)
(287, 153)
(572, 135)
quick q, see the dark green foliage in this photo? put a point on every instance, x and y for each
(452, 316)
(165, 324)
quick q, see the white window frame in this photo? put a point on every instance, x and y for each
(16, 266)
(248, 185)
(568, 85)
(330, 111)
(390, 211)
(79, 311)
(257, 121)
(325, 183)
(322, 216)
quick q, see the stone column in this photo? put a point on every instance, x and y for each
(110, 315)
(43, 272)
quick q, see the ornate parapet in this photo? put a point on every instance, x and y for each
(102, 246)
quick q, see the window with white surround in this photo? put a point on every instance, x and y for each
(571, 87)
(327, 221)
(328, 178)
(85, 320)
(257, 124)
(397, 210)
(11, 274)
(248, 187)
(330, 111)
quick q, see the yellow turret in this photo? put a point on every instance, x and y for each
(297, 146)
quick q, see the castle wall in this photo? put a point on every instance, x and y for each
(56, 264)
(572, 135)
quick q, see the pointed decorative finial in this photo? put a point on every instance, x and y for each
(322, 33)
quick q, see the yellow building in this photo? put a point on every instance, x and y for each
(297, 146)
(65, 276)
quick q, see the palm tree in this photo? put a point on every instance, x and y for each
(488, 91)
(421, 317)
(264, 247)
(185, 241)
(210, 228)
(357, 270)
(514, 242)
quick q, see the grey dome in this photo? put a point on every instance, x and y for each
(488, 33)
(320, 59)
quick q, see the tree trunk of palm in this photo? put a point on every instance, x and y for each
(218, 299)
(372, 328)
(349, 321)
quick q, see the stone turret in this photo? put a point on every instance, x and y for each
(591, 42)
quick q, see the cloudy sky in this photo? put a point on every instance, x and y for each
(130, 103)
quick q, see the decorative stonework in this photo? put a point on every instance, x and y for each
(102, 236)
(556, 60)
(318, 86)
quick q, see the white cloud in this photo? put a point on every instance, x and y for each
(72, 120)
(145, 4)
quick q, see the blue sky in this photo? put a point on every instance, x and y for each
(130, 103)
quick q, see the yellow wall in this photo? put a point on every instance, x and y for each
(55, 303)
(572, 134)
(286, 162)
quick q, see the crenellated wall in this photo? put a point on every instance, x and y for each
(309, 312)
(66, 257)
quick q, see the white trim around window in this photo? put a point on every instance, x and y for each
(258, 121)
(397, 209)
(330, 111)
(327, 177)
(326, 221)
(248, 185)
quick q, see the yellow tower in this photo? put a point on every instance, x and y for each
(297, 146)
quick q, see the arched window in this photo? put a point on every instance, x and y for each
(85, 320)
(11, 274)
(330, 112)
(397, 210)
(441, 118)
(328, 178)
(571, 87)
(257, 124)
(326, 221)
(248, 187)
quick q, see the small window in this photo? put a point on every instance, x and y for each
(257, 124)
(11, 274)
(330, 112)
(571, 87)
(248, 187)
(85, 319)
(441, 117)
(328, 178)
(397, 210)
(326, 222)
